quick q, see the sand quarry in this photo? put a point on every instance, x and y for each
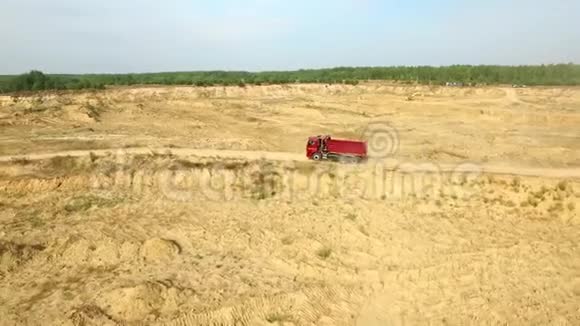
(196, 206)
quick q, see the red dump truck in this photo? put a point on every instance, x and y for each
(325, 148)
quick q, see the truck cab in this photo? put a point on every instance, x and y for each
(316, 148)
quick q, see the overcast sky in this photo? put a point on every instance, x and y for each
(84, 36)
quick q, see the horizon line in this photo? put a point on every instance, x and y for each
(291, 70)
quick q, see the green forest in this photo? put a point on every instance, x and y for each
(557, 74)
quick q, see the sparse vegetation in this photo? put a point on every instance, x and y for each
(278, 317)
(94, 112)
(536, 197)
(93, 157)
(557, 207)
(533, 201)
(562, 185)
(350, 216)
(19, 252)
(21, 160)
(85, 202)
(266, 183)
(363, 230)
(509, 203)
(524, 203)
(559, 196)
(324, 252)
(62, 163)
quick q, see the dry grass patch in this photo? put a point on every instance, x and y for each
(86, 202)
(324, 252)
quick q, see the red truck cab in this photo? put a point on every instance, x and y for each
(326, 148)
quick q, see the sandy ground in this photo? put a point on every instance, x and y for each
(196, 206)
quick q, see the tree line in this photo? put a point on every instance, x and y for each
(556, 74)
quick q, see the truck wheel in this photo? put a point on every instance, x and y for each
(317, 156)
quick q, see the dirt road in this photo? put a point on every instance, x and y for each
(562, 173)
